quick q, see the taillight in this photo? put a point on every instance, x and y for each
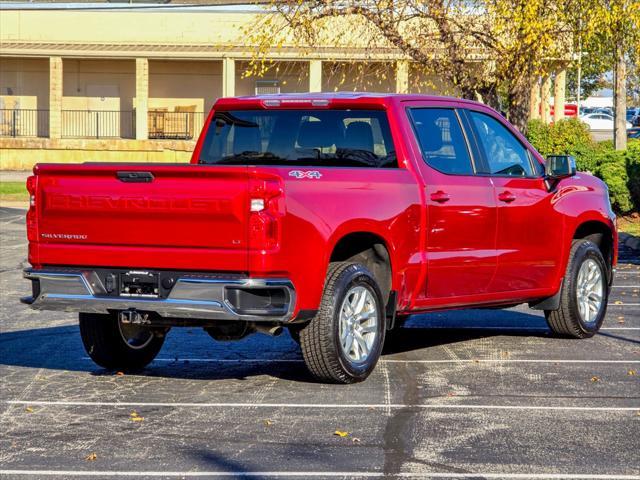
(266, 206)
(32, 227)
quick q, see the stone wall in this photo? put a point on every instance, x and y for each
(24, 153)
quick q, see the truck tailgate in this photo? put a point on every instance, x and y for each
(156, 216)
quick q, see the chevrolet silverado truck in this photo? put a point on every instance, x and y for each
(333, 215)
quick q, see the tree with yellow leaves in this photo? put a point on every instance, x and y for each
(491, 50)
(614, 39)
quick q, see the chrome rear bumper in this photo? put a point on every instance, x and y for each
(192, 296)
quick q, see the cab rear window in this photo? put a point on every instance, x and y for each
(321, 138)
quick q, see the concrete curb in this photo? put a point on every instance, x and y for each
(14, 175)
(19, 205)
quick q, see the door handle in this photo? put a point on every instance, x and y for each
(506, 197)
(135, 177)
(440, 196)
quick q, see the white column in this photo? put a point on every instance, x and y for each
(142, 99)
(546, 98)
(534, 101)
(402, 76)
(315, 75)
(55, 97)
(228, 77)
(559, 93)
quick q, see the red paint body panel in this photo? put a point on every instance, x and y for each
(473, 249)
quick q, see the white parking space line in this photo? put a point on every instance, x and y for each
(552, 476)
(625, 286)
(389, 360)
(620, 328)
(225, 360)
(509, 360)
(321, 406)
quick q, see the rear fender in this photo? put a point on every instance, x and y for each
(367, 227)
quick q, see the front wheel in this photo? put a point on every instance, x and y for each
(584, 295)
(116, 345)
(343, 342)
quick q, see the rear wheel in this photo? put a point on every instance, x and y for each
(584, 295)
(116, 345)
(343, 342)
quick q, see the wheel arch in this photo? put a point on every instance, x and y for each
(603, 235)
(369, 248)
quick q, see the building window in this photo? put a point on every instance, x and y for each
(267, 86)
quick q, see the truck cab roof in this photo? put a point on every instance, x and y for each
(328, 99)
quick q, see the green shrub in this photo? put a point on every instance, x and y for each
(633, 172)
(539, 134)
(613, 172)
(620, 170)
(566, 137)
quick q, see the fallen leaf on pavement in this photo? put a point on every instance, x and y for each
(268, 422)
(340, 433)
(618, 302)
(28, 410)
(135, 417)
(632, 372)
(355, 440)
(595, 379)
(91, 457)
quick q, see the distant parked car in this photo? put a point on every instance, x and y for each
(634, 133)
(600, 121)
(632, 112)
(588, 110)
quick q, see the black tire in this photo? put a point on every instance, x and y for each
(106, 345)
(566, 321)
(320, 338)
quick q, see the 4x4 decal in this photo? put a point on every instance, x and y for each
(305, 174)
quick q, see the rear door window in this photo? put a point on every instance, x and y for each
(322, 138)
(442, 141)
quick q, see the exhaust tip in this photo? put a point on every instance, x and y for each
(271, 330)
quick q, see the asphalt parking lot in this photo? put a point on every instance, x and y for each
(497, 397)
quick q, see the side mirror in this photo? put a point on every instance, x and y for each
(560, 166)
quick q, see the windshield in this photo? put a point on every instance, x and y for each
(328, 138)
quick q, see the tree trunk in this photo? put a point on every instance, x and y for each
(620, 102)
(519, 98)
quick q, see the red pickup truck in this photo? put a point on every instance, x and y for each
(333, 215)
